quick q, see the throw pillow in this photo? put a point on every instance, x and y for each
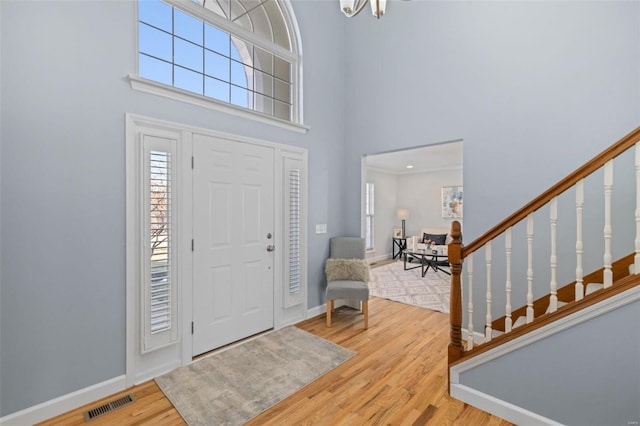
(435, 239)
(347, 270)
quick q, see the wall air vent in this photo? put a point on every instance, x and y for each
(108, 407)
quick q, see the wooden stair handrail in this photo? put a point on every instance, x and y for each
(591, 166)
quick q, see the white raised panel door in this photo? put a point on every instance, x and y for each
(233, 215)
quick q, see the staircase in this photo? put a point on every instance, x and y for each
(498, 268)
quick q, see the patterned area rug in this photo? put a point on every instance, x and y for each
(392, 282)
(231, 387)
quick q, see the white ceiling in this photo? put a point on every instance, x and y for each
(430, 158)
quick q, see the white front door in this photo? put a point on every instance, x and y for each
(233, 225)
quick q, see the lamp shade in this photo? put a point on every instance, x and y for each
(403, 214)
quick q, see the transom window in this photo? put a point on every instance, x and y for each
(238, 52)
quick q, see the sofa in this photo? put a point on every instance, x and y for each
(439, 238)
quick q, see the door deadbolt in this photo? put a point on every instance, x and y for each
(269, 235)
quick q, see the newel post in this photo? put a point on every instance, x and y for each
(455, 259)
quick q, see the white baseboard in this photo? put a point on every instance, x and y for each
(318, 310)
(64, 403)
(498, 407)
(155, 372)
(379, 257)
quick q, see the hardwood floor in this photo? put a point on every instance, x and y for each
(397, 377)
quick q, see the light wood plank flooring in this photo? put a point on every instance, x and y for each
(397, 377)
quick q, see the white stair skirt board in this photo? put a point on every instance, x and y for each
(592, 287)
(64, 403)
(498, 407)
(502, 408)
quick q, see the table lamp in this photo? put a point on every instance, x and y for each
(403, 214)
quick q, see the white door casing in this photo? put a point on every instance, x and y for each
(233, 226)
(285, 308)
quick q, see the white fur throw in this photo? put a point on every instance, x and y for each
(347, 270)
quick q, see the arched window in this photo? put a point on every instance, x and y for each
(240, 52)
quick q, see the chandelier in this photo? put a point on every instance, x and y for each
(352, 7)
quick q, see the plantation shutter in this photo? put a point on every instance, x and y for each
(159, 286)
(294, 231)
(294, 269)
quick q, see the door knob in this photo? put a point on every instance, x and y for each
(271, 248)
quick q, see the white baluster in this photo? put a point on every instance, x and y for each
(470, 307)
(553, 215)
(488, 330)
(636, 265)
(507, 245)
(608, 185)
(579, 248)
(530, 268)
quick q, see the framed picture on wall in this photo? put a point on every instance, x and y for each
(397, 233)
(451, 202)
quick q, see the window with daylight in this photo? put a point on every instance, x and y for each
(160, 241)
(239, 52)
(158, 254)
(369, 210)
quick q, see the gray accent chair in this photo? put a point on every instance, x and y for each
(347, 248)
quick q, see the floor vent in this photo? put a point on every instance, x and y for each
(108, 407)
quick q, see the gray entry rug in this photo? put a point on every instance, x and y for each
(392, 282)
(233, 386)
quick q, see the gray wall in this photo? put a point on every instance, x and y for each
(535, 89)
(64, 98)
(421, 194)
(573, 377)
(547, 84)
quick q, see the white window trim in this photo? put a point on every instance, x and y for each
(137, 367)
(370, 206)
(156, 88)
(294, 56)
